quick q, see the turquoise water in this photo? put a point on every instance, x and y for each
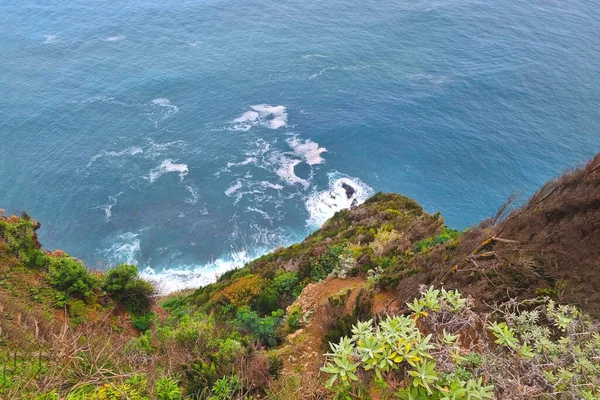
(188, 137)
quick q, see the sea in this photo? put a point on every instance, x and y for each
(189, 137)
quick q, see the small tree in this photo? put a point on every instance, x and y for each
(124, 284)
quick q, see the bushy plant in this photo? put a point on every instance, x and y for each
(385, 240)
(263, 329)
(286, 284)
(320, 267)
(267, 301)
(294, 318)
(125, 285)
(447, 235)
(71, 276)
(139, 346)
(77, 311)
(241, 291)
(143, 322)
(396, 344)
(345, 266)
(540, 350)
(226, 388)
(167, 389)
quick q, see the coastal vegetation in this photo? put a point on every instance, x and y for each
(384, 301)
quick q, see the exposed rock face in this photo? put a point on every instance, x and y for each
(349, 190)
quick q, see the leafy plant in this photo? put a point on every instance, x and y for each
(70, 276)
(167, 389)
(226, 387)
(505, 336)
(125, 285)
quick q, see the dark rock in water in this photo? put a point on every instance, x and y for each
(349, 190)
(354, 203)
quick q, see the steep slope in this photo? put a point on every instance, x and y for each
(552, 246)
(262, 330)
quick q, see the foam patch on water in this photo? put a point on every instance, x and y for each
(321, 72)
(265, 115)
(107, 208)
(307, 56)
(184, 277)
(50, 39)
(115, 38)
(323, 205)
(194, 196)
(125, 249)
(130, 151)
(163, 109)
(307, 149)
(233, 188)
(264, 214)
(285, 169)
(247, 161)
(165, 167)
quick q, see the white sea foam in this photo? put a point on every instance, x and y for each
(314, 56)
(350, 68)
(50, 39)
(115, 38)
(286, 170)
(247, 161)
(261, 212)
(165, 167)
(154, 149)
(321, 72)
(307, 149)
(183, 277)
(323, 205)
(356, 68)
(431, 79)
(161, 109)
(272, 117)
(125, 249)
(130, 151)
(270, 185)
(233, 188)
(194, 197)
(112, 201)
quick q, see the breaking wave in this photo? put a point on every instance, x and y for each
(165, 167)
(343, 192)
(265, 115)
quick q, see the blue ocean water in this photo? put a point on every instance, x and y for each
(190, 136)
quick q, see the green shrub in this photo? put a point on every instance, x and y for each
(275, 365)
(340, 298)
(70, 276)
(167, 389)
(267, 301)
(548, 349)
(226, 388)
(263, 329)
(199, 376)
(340, 326)
(139, 345)
(286, 283)
(124, 284)
(143, 322)
(77, 311)
(445, 236)
(320, 267)
(294, 318)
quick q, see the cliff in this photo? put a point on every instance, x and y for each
(505, 309)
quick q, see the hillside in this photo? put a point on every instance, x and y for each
(414, 309)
